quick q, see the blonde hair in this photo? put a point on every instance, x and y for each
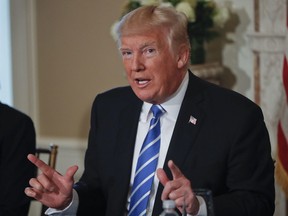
(149, 18)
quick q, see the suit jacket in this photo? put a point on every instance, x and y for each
(17, 140)
(227, 151)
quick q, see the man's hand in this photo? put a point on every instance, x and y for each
(50, 187)
(178, 189)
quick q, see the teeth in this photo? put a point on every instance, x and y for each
(141, 82)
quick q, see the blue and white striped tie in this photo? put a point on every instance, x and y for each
(146, 165)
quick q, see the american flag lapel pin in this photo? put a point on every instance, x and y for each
(192, 120)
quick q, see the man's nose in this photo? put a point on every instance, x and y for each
(137, 64)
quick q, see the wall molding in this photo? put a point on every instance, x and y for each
(70, 143)
(267, 42)
(24, 56)
(70, 152)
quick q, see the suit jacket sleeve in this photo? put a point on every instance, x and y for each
(91, 197)
(104, 185)
(250, 171)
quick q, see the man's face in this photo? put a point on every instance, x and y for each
(153, 71)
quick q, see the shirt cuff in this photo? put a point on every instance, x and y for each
(202, 207)
(70, 210)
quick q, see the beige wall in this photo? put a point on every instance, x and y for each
(77, 58)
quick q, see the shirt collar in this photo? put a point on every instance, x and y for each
(172, 105)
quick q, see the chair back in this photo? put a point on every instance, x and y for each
(52, 152)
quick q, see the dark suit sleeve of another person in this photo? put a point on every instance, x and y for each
(17, 140)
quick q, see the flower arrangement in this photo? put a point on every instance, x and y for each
(204, 17)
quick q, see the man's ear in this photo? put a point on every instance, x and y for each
(183, 56)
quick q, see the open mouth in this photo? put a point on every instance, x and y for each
(142, 81)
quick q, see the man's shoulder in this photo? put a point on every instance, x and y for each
(12, 113)
(13, 118)
(118, 91)
(220, 94)
(220, 98)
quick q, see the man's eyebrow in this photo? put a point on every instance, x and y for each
(123, 48)
(148, 44)
(142, 46)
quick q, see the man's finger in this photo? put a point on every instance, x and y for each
(30, 192)
(176, 172)
(46, 169)
(163, 179)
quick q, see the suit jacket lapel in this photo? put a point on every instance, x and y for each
(129, 117)
(184, 134)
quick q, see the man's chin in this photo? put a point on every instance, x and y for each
(145, 97)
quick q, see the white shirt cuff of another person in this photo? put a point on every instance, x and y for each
(70, 210)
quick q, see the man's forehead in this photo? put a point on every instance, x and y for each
(139, 42)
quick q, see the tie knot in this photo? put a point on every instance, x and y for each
(157, 111)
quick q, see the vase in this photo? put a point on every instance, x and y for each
(198, 52)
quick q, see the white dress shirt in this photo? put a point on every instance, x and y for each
(167, 122)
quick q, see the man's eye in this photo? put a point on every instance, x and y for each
(150, 51)
(126, 53)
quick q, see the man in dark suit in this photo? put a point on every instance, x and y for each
(17, 139)
(211, 138)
